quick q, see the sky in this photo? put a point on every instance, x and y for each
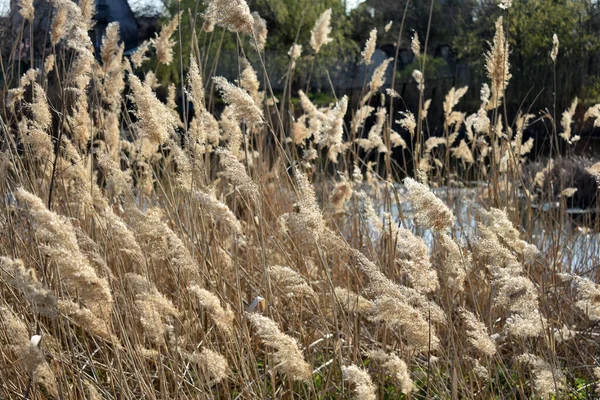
(351, 4)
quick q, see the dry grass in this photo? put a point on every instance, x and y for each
(146, 255)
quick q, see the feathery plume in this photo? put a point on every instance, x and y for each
(59, 25)
(219, 210)
(119, 182)
(110, 43)
(242, 103)
(593, 113)
(212, 364)
(360, 116)
(61, 247)
(415, 46)
(333, 130)
(81, 121)
(340, 194)
(196, 84)
(388, 26)
(588, 295)
(259, 31)
(554, 52)
(497, 66)
(411, 251)
(233, 15)
(294, 53)
(352, 302)
(408, 122)
(418, 77)
(222, 316)
(452, 99)
(81, 72)
(500, 225)
(153, 307)
(290, 282)
(139, 56)
(363, 387)
(88, 10)
(42, 117)
(25, 280)
(477, 333)
(159, 241)
(519, 296)
(49, 63)
(155, 121)
(235, 171)
(249, 81)
(306, 224)
(395, 367)
(463, 152)
(27, 10)
(319, 36)
(163, 43)
(374, 139)
(505, 4)
(369, 49)
(86, 319)
(456, 265)
(566, 121)
(287, 356)
(568, 192)
(545, 377)
(377, 80)
(408, 322)
(27, 351)
(428, 209)
(397, 141)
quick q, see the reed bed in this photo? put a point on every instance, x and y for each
(269, 249)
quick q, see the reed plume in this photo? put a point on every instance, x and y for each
(369, 49)
(155, 310)
(319, 36)
(163, 42)
(223, 317)
(155, 122)
(497, 66)
(394, 367)
(212, 364)
(477, 333)
(59, 243)
(546, 378)
(241, 102)
(566, 121)
(428, 209)
(290, 283)
(233, 15)
(352, 302)
(259, 31)
(294, 53)
(25, 280)
(362, 385)
(287, 356)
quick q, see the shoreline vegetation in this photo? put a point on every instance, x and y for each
(279, 248)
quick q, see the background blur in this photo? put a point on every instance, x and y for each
(460, 31)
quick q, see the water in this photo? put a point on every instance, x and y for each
(567, 244)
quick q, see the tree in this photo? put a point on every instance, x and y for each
(530, 26)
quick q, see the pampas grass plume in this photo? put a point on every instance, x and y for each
(319, 35)
(363, 387)
(287, 356)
